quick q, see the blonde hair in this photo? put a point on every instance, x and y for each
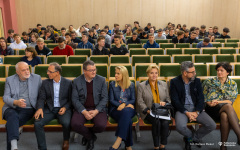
(125, 77)
(150, 67)
(40, 40)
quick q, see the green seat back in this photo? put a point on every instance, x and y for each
(60, 60)
(71, 71)
(102, 71)
(12, 60)
(48, 41)
(52, 45)
(228, 51)
(203, 58)
(83, 52)
(182, 45)
(192, 51)
(169, 70)
(112, 45)
(201, 69)
(155, 51)
(77, 59)
(212, 70)
(173, 51)
(228, 58)
(118, 59)
(237, 71)
(220, 40)
(99, 60)
(128, 37)
(180, 59)
(231, 45)
(140, 59)
(21, 52)
(210, 51)
(161, 59)
(217, 45)
(161, 41)
(140, 71)
(166, 45)
(41, 70)
(144, 40)
(194, 45)
(2, 86)
(141, 51)
(2, 71)
(134, 46)
(238, 59)
(232, 40)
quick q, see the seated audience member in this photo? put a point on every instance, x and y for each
(118, 49)
(42, 33)
(108, 31)
(192, 38)
(149, 92)
(186, 34)
(179, 38)
(165, 32)
(171, 34)
(10, 38)
(56, 37)
(136, 26)
(18, 43)
(125, 29)
(74, 37)
(69, 42)
(48, 35)
(188, 100)
(85, 44)
(91, 36)
(122, 41)
(63, 32)
(215, 31)
(4, 49)
(139, 30)
(204, 43)
(152, 30)
(160, 35)
(115, 33)
(122, 102)
(62, 48)
(54, 102)
(225, 35)
(99, 48)
(143, 35)
(97, 28)
(203, 33)
(134, 39)
(178, 26)
(86, 26)
(34, 37)
(220, 93)
(107, 37)
(151, 42)
(116, 27)
(147, 28)
(128, 32)
(41, 48)
(71, 29)
(26, 38)
(184, 28)
(89, 98)
(197, 32)
(106, 44)
(210, 30)
(31, 57)
(39, 26)
(211, 36)
(20, 103)
(169, 26)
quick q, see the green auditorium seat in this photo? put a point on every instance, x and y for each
(144, 41)
(52, 45)
(172, 51)
(71, 70)
(232, 40)
(237, 71)
(134, 46)
(224, 57)
(220, 40)
(201, 69)
(211, 69)
(119, 59)
(210, 51)
(155, 51)
(100, 59)
(166, 45)
(87, 52)
(228, 50)
(203, 58)
(169, 70)
(161, 41)
(161, 59)
(140, 59)
(181, 58)
(60, 59)
(216, 44)
(194, 45)
(41, 70)
(12, 59)
(3, 71)
(234, 45)
(112, 45)
(140, 70)
(137, 51)
(102, 70)
(77, 59)
(182, 45)
(191, 51)
(48, 41)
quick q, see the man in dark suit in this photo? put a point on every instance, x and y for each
(89, 98)
(20, 97)
(54, 101)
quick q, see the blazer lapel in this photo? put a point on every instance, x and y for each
(51, 89)
(61, 89)
(149, 89)
(83, 83)
(16, 84)
(30, 81)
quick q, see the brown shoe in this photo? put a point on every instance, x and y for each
(65, 145)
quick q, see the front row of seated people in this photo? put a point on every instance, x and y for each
(86, 98)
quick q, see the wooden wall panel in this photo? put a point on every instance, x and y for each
(223, 13)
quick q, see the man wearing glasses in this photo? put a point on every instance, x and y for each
(187, 98)
(54, 102)
(89, 98)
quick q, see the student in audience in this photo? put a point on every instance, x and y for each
(53, 105)
(97, 28)
(115, 33)
(128, 32)
(136, 26)
(211, 36)
(184, 28)
(56, 37)
(91, 36)
(107, 37)
(179, 38)
(31, 57)
(41, 48)
(192, 38)
(26, 38)
(125, 29)
(178, 26)
(74, 37)
(18, 43)
(171, 34)
(134, 39)
(160, 35)
(186, 34)
(118, 49)
(220, 93)
(42, 33)
(204, 43)
(10, 38)
(203, 33)
(70, 29)
(149, 92)
(69, 42)
(152, 30)
(39, 26)
(63, 32)
(85, 43)
(116, 27)
(20, 103)
(139, 31)
(4, 49)
(122, 102)
(147, 28)
(80, 30)
(62, 48)
(151, 42)
(48, 35)
(165, 32)
(210, 30)
(100, 47)
(225, 35)
(34, 37)
(197, 32)
(122, 41)
(86, 26)
(188, 100)
(169, 26)
(215, 31)
(109, 32)
(89, 98)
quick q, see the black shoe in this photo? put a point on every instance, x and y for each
(187, 144)
(84, 141)
(90, 144)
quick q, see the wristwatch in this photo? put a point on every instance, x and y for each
(198, 112)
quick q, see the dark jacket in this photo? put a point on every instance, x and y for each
(202, 35)
(189, 40)
(104, 51)
(175, 40)
(130, 41)
(177, 94)
(46, 94)
(9, 40)
(76, 40)
(8, 51)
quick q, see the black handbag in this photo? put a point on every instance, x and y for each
(158, 110)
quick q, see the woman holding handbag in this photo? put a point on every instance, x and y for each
(122, 101)
(149, 92)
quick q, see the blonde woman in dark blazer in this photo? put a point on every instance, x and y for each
(149, 92)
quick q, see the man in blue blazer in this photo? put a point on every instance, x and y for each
(89, 98)
(54, 102)
(20, 97)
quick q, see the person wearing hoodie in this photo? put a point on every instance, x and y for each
(18, 43)
(179, 38)
(34, 37)
(85, 44)
(151, 43)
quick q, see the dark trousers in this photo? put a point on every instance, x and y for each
(99, 121)
(16, 118)
(163, 126)
(48, 115)
(124, 120)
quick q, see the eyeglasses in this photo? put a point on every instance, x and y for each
(92, 70)
(51, 71)
(193, 72)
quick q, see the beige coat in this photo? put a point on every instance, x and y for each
(145, 97)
